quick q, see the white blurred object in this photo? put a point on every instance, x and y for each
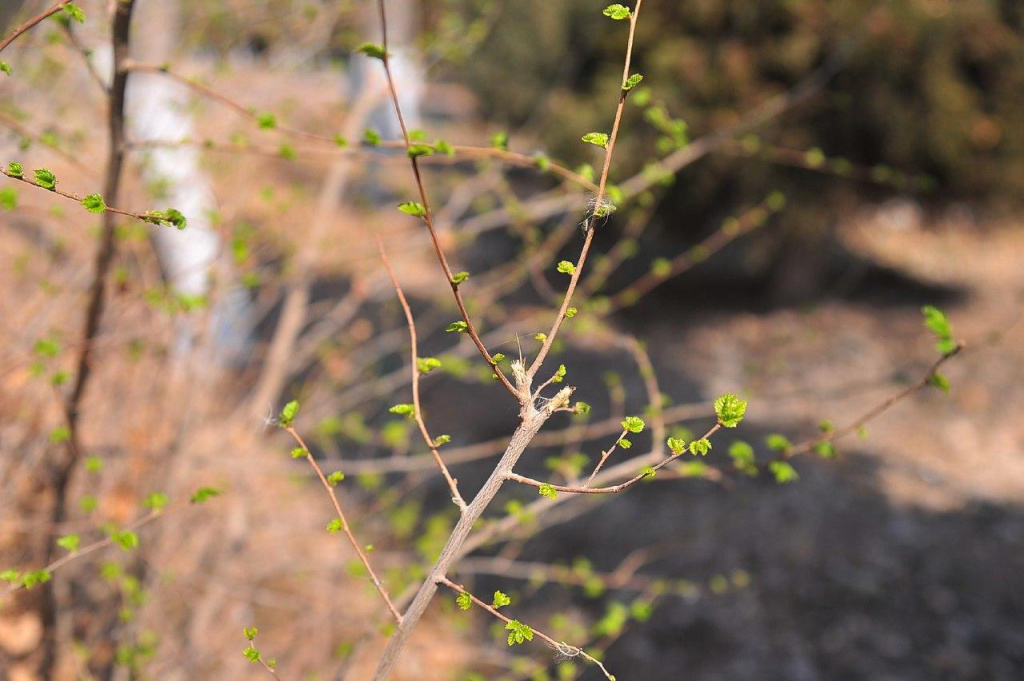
(157, 112)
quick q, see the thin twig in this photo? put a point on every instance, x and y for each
(481, 450)
(344, 523)
(148, 217)
(277, 365)
(598, 201)
(604, 457)
(19, 129)
(614, 489)
(86, 55)
(560, 647)
(460, 151)
(504, 525)
(30, 23)
(95, 546)
(428, 218)
(731, 230)
(414, 365)
(874, 412)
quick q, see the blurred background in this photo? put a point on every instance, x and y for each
(794, 180)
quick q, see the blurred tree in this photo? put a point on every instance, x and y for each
(930, 87)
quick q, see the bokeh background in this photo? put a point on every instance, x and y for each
(892, 130)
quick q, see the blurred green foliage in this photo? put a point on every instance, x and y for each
(927, 86)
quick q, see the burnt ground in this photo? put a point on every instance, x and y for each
(900, 560)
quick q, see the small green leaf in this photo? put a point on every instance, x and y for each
(69, 542)
(742, 455)
(632, 82)
(457, 327)
(297, 453)
(47, 347)
(464, 601)
(93, 464)
(937, 322)
(169, 217)
(288, 413)
(45, 179)
(939, 381)
(540, 336)
(74, 12)
(404, 410)
(251, 654)
(778, 443)
(497, 357)
(427, 364)
(825, 450)
(566, 267)
(250, 633)
(559, 375)
(598, 139)
(617, 11)
(334, 526)
(176, 219)
(442, 440)
(334, 478)
(287, 152)
(633, 424)
(648, 472)
(417, 150)
(266, 120)
(783, 472)
(340, 141)
(730, 410)
(94, 203)
(156, 502)
(8, 198)
(371, 137)
(459, 277)
(30, 580)
(701, 446)
(413, 208)
(815, 157)
(676, 445)
(14, 169)
(204, 494)
(10, 576)
(6, 68)
(519, 632)
(581, 408)
(571, 312)
(546, 490)
(499, 140)
(500, 600)
(126, 539)
(624, 443)
(373, 51)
